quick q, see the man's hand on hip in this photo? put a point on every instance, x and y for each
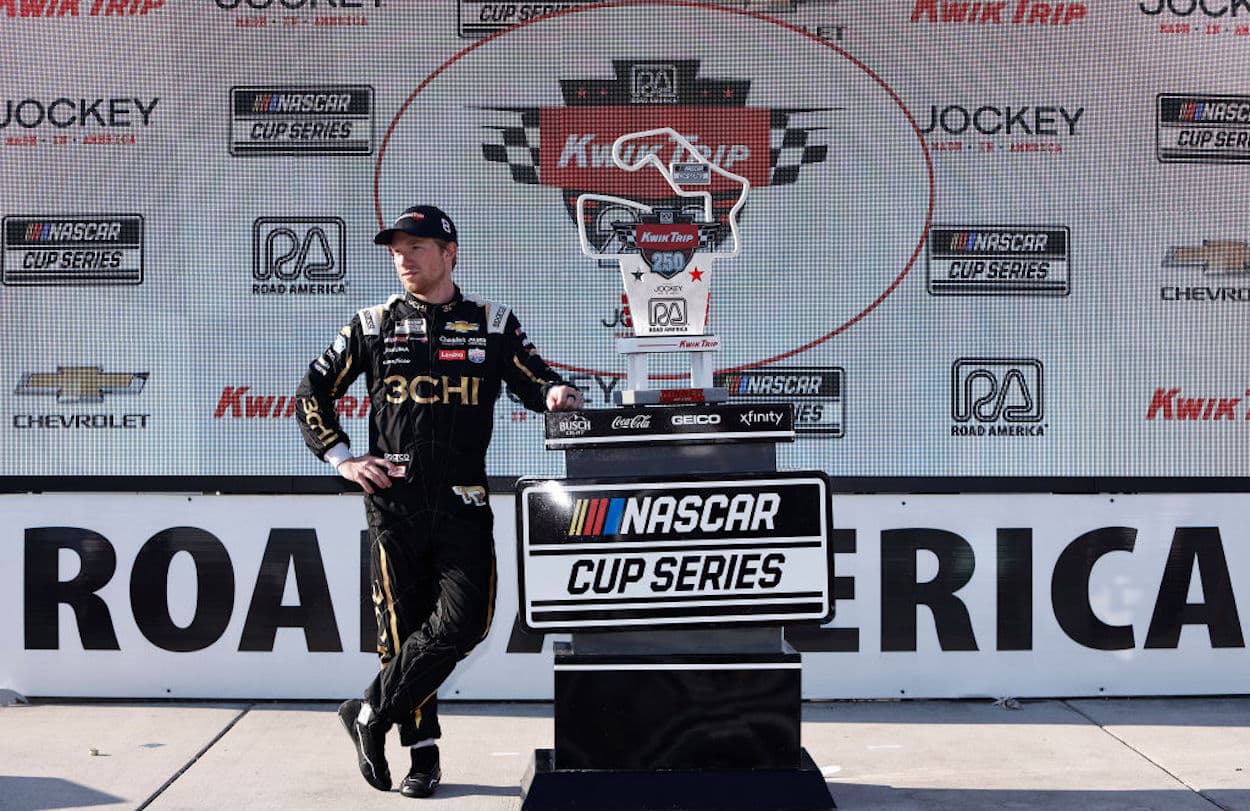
(369, 472)
(564, 398)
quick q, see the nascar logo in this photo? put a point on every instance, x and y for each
(657, 515)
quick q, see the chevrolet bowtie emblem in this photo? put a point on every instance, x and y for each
(1220, 256)
(81, 384)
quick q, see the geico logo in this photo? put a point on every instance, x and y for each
(695, 419)
(315, 422)
(425, 389)
(1183, 8)
(744, 512)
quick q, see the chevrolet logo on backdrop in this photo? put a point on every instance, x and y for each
(81, 384)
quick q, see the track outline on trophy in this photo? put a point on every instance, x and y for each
(669, 313)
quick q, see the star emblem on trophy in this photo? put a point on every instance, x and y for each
(666, 253)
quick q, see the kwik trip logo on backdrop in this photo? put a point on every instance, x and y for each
(93, 249)
(299, 256)
(1009, 12)
(818, 394)
(972, 260)
(1220, 262)
(1203, 128)
(80, 386)
(248, 402)
(997, 397)
(79, 8)
(321, 120)
(1175, 404)
(569, 147)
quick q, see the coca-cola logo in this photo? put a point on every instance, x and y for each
(574, 426)
(638, 422)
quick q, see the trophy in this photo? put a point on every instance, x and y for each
(665, 254)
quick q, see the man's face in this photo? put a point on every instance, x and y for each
(422, 264)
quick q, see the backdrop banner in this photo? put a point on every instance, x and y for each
(168, 596)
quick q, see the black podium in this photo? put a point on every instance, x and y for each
(673, 553)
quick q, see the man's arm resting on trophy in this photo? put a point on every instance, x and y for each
(367, 471)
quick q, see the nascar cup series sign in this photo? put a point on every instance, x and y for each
(616, 554)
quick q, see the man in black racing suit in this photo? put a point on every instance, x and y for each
(434, 361)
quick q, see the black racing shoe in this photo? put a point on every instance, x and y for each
(370, 742)
(424, 775)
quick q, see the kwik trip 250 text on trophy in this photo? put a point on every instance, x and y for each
(675, 551)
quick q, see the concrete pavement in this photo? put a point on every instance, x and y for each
(1164, 754)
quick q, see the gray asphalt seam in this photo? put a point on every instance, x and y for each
(151, 799)
(1146, 758)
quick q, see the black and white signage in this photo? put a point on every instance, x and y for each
(73, 250)
(330, 120)
(1203, 127)
(772, 422)
(999, 260)
(673, 551)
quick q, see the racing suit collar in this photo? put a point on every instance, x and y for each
(428, 308)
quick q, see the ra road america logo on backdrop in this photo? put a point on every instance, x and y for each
(511, 153)
(997, 397)
(299, 256)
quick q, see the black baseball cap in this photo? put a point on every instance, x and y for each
(420, 221)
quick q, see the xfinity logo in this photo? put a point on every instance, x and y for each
(761, 418)
(694, 419)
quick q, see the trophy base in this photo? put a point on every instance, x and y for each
(632, 397)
